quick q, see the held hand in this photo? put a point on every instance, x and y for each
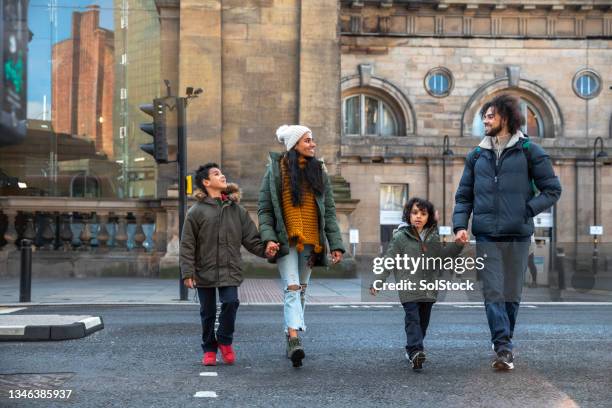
(189, 282)
(336, 256)
(461, 237)
(271, 249)
(373, 292)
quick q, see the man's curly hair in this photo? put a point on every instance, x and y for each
(509, 108)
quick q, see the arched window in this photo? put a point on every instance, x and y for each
(86, 186)
(533, 127)
(368, 115)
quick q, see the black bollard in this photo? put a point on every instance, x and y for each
(25, 284)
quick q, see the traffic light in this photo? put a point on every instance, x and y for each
(163, 129)
(14, 37)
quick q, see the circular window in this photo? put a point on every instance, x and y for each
(587, 84)
(439, 82)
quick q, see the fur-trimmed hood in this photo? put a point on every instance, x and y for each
(487, 141)
(232, 191)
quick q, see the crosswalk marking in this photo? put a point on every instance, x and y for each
(10, 309)
(208, 374)
(361, 306)
(205, 394)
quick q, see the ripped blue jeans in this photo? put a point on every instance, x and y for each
(294, 271)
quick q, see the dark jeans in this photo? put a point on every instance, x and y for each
(416, 323)
(228, 295)
(505, 262)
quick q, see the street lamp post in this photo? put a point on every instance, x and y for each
(596, 155)
(446, 152)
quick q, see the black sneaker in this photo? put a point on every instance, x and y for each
(417, 359)
(504, 361)
(295, 351)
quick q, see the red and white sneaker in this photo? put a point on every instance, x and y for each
(209, 359)
(227, 352)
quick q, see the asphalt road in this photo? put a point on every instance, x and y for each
(149, 356)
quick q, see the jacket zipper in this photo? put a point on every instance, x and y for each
(218, 234)
(498, 162)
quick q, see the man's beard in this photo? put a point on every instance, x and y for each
(494, 131)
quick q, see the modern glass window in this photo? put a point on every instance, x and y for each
(534, 126)
(587, 84)
(439, 82)
(367, 115)
(83, 100)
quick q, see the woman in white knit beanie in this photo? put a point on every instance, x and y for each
(298, 213)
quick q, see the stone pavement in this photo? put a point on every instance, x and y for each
(252, 291)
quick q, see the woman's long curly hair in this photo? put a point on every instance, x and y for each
(311, 175)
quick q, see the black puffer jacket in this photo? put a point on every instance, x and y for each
(499, 193)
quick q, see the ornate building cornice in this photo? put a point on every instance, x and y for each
(477, 18)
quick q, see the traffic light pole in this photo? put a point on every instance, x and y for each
(182, 167)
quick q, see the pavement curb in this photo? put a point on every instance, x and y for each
(52, 332)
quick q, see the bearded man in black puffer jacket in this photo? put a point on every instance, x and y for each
(497, 189)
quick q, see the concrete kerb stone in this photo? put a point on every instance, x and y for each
(47, 327)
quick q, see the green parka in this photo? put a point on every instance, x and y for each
(270, 212)
(406, 240)
(211, 240)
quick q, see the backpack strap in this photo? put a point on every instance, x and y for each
(475, 156)
(527, 153)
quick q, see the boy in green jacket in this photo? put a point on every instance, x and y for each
(215, 228)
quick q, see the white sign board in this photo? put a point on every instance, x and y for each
(444, 230)
(353, 236)
(390, 217)
(543, 220)
(596, 230)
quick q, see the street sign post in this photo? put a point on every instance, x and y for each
(444, 230)
(596, 230)
(169, 131)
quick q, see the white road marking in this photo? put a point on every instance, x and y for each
(12, 330)
(359, 306)
(482, 306)
(205, 394)
(10, 310)
(208, 374)
(91, 322)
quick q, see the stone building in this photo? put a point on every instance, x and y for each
(383, 82)
(83, 82)
(391, 89)
(261, 63)
(414, 72)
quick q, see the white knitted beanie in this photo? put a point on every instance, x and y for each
(290, 135)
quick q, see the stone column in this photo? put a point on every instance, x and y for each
(200, 66)
(319, 87)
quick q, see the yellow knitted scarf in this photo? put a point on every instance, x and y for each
(302, 222)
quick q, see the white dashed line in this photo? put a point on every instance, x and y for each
(360, 306)
(208, 374)
(205, 394)
(482, 306)
(10, 310)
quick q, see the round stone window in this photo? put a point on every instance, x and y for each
(587, 84)
(439, 82)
